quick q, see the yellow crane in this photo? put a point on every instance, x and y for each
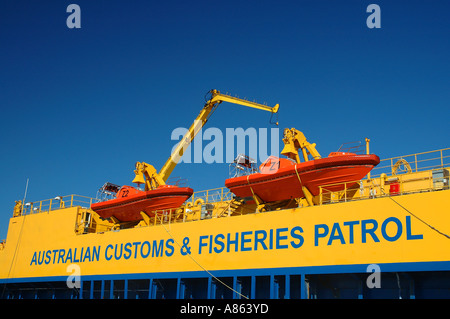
(147, 174)
(293, 141)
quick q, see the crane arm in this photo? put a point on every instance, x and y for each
(202, 118)
(217, 96)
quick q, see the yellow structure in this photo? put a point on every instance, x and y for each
(295, 140)
(147, 174)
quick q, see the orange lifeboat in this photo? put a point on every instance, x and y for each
(129, 202)
(281, 178)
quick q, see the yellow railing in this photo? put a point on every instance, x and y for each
(408, 173)
(211, 195)
(420, 167)
(58, 202)
(416, 162)
(166, 216)
(422, 181)
(188, 214)
(197, 207)
(328, 193)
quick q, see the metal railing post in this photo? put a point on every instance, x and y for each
(320, 195)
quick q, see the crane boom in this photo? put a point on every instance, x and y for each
(217, 96)
(154, 179)
(199, 122)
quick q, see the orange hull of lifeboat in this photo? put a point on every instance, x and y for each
(281, 179)
(131, 201)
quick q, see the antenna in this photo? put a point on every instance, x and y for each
(25, 196)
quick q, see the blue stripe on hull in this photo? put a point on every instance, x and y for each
(405, 280)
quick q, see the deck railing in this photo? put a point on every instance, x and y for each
(432, 161)
(426, 181)
(55, 203)
(413, 162)
(211, 195)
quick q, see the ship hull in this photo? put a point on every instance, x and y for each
(291, 253)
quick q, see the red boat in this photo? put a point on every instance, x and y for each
(129, 202)
(282, 178)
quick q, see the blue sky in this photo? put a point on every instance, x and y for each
(81, 106)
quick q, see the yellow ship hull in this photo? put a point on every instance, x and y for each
(375, 231)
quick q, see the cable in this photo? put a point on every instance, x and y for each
(399, 287)
(207, 98)
(409, 212)
(270, 121)
(206, 270)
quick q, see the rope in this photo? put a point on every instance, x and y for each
(415, 216)
(248, 182)
(206, 270)
(276, 121)
(298, 176)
